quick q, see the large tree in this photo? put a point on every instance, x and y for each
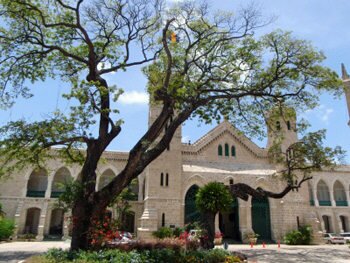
(215, 68)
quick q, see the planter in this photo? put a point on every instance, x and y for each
(253, 240)
(218, 241)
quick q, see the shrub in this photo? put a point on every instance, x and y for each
(164, 255)
(177, 231)
(163, 232)
(6, 228)
(303, 236)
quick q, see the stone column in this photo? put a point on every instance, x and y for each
(347, 196)
(49, 184)
(331, 195)
(245, 216)
(217, 229)
(42, 221)
(314, 193)
(66, 223)
(149, 223)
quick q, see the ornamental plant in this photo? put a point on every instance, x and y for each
(103, 230)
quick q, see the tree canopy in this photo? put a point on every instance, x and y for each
(216, 68)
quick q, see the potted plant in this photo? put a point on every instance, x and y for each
(218, 238)
(252, 237)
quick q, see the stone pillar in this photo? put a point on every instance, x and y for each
(245, 216)
(66, 224)
(149, 223)
(42, 221)
(49, 184)
(347, 196)
(340, 227)
(314, 192)
(217, 229)
(19, 224)
(317, 234)
(331, 195)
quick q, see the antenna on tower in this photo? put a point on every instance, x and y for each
(344, 74)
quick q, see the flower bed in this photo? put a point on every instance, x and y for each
(142, 256)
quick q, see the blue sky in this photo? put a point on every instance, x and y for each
(326, 23)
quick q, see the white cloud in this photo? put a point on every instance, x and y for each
(134, 97)
(185, 139)
(322, 113)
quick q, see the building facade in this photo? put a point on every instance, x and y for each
(167, 187)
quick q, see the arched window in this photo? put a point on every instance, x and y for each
(327, 221)
(61, 178)
(227, 153)
(339, 194)
(311, 195)
(220, 150)
(288, 125)
(323, 194)
(161, 179)
(167, 179)
(233, 151)
(278, 126)
(32, 221)
(163, 219)
(231, 181)
(37, 183)
(106, 177)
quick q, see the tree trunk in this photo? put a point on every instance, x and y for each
(208, 243)
(81, 215)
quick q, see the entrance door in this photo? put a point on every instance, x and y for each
(191, 212)
(261, 218)
(229, 223)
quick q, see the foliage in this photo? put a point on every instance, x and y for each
(103, 230)
(145, 256)
(217, 69)
(214, 197)
(2, 212)
(250, 234)
(7, 227)
(302, 236)
(163, 232)
(27, 236)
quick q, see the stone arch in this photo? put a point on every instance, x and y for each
(327, 224)
(339, 194)
(194, 179)
(191, 213)
(61, 177)
(323, 194)
(31, 225)
(344, 221)
(56, 222)
(37, 183)
(105, 178)
(311, 194)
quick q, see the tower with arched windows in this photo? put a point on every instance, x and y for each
(281, 127)
(162, 198)
(346, 81)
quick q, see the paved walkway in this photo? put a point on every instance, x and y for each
(293, 254)
(14, 252)
(17, 251)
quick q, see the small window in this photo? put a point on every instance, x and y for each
(233, 151)
(288, 125)
(161, 179)
(163, 219)
(278, 126)
(167, 179)
(231, 181)
(220, 150)
(227, 150)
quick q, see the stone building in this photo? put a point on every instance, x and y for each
(166, 189)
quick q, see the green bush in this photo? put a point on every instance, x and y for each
(6, 228)
(163, 232)
(146, 256)
(303, 236)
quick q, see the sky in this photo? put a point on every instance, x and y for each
(326, 23)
